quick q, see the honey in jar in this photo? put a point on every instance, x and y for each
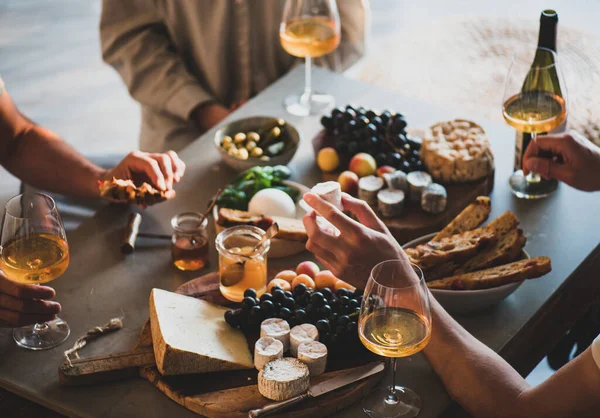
(189, 243)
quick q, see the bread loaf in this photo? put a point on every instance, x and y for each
(470, 218)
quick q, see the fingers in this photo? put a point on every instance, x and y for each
(363, 212)
(25, 291)
(330, 212)
(166, 168)
(142, 163)
(177, 164)
(557, 144)
(28, 306)
(317, 236)
(548, 168)
(325, 257)
(16, 319)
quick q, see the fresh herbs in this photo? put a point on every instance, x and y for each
(238, 194)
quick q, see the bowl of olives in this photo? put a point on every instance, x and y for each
(257, 141)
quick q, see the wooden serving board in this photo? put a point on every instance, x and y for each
(415, 222)
(225, 394)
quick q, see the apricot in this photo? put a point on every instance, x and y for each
(305, 279)
(340, 284)
(309, 268)
(287, 275)
(279, 282)
(324, 279)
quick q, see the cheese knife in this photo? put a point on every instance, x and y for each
(322, 388)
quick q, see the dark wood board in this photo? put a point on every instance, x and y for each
(225, 394)
(415, 222)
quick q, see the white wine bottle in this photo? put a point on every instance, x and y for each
(547, 82)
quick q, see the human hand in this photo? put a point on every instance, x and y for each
(208, 115)
(25, 304)
(161, 170)
(578, 165)
(359, 247)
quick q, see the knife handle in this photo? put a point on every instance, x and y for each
(277, 407)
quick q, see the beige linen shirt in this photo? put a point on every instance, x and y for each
(174, 55)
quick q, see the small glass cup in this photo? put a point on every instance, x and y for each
(240, 267)
(189, 243)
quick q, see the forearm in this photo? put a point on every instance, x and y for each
(474, 375)
(40, 158)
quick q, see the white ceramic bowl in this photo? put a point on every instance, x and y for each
(467, 301)
(252, 124)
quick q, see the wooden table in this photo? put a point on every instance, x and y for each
(101, 283)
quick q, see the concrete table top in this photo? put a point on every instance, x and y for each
(101, 283)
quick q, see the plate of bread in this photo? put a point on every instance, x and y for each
(470, 267)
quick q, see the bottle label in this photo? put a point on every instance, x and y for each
(522, 142)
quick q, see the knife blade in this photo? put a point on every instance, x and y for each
(322, 388)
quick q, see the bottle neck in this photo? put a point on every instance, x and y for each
(548, 26)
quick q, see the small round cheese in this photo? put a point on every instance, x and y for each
(390, 202)
(368, 188)
(283, 378)
(276, 328)
(417, 181)
(300, 334)
(265, 350)
(314, 355)
(396, 180)
(272, 202)
(331, 192)
(434, 198)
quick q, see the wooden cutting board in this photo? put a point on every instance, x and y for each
(224, 394)
(415, 222)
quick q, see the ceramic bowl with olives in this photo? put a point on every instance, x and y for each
(257, 141)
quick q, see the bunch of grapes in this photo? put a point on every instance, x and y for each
(335, 314)
(382, 135)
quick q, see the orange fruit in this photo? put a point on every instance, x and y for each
(309, 268)
(324, 279)
(279, 282)
(287, 275)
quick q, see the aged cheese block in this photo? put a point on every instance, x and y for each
(276, 328)
(300, 334)
(265, 350)
(457, 151)
(190, 336)
(283, 379)
(314, 355)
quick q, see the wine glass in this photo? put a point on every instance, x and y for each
(34, 249)
(395, 321)
(309, 29)
(535, 102)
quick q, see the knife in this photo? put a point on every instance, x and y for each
(322, 388)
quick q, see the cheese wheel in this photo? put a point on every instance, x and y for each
(417, 181)
(390, 202)
(396, 180)
(283, 378)
(368, 188)
(434, 198)
(300, 334)
(314, 355)
(276, 328)
(265, 350)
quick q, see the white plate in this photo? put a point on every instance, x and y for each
(467, 301)
(279, 247)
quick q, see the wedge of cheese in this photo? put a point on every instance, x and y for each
(190, 336)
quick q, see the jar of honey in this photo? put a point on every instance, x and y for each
(240, 265)
(189, 243)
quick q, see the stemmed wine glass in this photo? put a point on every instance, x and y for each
(535, 102)
(34, 249)
(309, 29)
(395, 321)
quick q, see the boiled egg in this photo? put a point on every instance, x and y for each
(272, 202)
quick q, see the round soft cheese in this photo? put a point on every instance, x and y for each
(390, 202)
(396, 180)
(417, 181)
(314, 355)
(276, 328)
(300, 334)
(283, 378)
(368, 187)
(272, 202)
(266, 349)
(434, 198)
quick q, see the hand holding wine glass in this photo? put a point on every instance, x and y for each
(309, 29)
(395, 321)
(34, 250)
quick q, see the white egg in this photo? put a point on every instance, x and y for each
(272, 202)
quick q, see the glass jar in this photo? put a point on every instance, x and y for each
(189, 243)
(240, 267)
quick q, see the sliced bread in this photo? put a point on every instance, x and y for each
(289, 229)
(507, 249)
(470, 218)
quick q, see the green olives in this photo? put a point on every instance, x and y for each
(239, 137)
(256, 152)
(233, 151)
(243, 154)
(253, 136)
(250, 145)
(226, 140)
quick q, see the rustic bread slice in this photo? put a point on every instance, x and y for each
(470, 218)
(454, 248)
(507, 249)
(503, 223)
(495, 276)
(190, 335)
(289, 229)
(443, 270)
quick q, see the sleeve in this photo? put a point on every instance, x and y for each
(355, 19)
(596, 351)
(137, 44)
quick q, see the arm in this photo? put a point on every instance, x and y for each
(474, 375)
(136, 43)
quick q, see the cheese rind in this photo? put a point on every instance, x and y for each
(314, 355)
(266, 349)
(300, 334)
(276, 328)
(283, 379)
(190, 335)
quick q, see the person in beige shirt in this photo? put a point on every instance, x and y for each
(191, 62)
